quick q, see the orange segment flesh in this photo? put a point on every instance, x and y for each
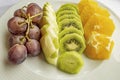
(99, 23)
(99, 46)
(88, 7)
(83, 3)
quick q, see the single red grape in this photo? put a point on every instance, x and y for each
(34, 32)
(33, 47)
(20, 13)
(34, 9)
(16, 39)
(17, 25)
(17, 54)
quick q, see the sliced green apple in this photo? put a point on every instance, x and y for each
(49, 49)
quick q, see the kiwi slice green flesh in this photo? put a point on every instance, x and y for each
(66, 16)
(61, 13)
(70, 22)
(69, 8)
(70, 5)
(72, 42)
(70, 62)
(69, 31)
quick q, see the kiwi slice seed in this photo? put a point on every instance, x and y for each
(72, 42)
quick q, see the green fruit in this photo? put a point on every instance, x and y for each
(69, 31)
(68, 12)
(66, 23)
(47, 29)
(50, 30)
(70, 62)
(72, 42)
(66, 16)
(70, 5)
(48, 7)
(46, 20)
(50, 15)
(49, 41)
(69, 8)
(49, 49)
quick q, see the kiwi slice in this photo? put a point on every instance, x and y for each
(66, 23)
(68, 12)
(70, 5)
(72, 42)
(70, 62)
(69, 31)
(69, 8)
(66, 16)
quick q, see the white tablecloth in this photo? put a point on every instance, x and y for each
(5, 4)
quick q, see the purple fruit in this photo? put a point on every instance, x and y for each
(33, 47)
(34, 32)
(17, 54)
(17, 25)
(20, 13)
(34, 9)
(16, 39)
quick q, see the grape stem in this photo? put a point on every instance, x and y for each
(36, 15)
(24, 7)
(23, 13)
(23, 23)
(30, 25)
(28, 28)
(28, 21)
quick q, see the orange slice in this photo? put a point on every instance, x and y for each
(99, 23)
(99, 46)
(88, 7)
(83, 3)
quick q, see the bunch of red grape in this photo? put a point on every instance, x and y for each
(25, 33)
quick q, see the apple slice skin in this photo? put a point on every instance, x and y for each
(49, 50)
(49, 32)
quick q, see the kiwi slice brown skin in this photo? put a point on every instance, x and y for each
(70, 62)
(72, 42)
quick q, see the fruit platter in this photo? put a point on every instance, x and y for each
(60, 40)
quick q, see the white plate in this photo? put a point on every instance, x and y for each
(38, 69)
(7, 2)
